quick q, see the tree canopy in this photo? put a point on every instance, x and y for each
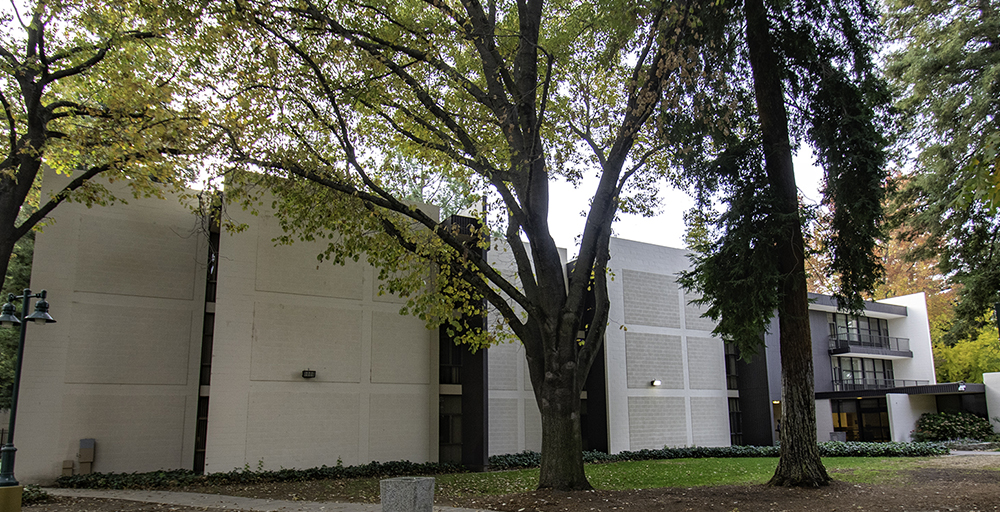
(321, 98)
(945, 75)
(91, 89)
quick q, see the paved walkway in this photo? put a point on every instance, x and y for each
(193, 499)
(956, 452)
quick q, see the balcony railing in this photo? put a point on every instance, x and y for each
(844, 337)
(860, 384)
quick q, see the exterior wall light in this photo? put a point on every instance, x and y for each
(8, 318)
(655, 383)
(775, 402)
(308, 374)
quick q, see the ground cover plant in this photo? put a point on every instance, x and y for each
(527, 459)
(965, 482)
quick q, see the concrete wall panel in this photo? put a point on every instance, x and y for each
(532, 427)
(295, 269)
(299, 428)
(400, 353)
(115, 345)
(904, 411)
(399, 427)
(288, 339)
(655, 422)
(503, 425)
(131, 434)
(693, 319)
(651, 299)
(710, 421)
(706, 363)
(503, 363)
(654, 356)
(113, 255)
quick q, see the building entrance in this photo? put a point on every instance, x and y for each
(862, 419)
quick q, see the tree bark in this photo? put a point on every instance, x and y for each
(562, 438)
(800, 463)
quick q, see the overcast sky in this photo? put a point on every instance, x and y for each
(667, 228)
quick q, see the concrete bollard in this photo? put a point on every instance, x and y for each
(407, 494)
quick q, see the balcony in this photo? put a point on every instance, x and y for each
(862, 384)
(865, 341)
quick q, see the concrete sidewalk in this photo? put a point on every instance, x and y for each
(193, 499)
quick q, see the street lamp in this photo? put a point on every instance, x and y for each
(9, 318)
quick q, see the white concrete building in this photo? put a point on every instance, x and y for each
(180, 347)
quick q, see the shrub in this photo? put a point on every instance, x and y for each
(944, 426)
(184, 477)
(530, 459)
(34, 494)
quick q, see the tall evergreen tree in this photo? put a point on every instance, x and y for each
(814, 55)
(947, 76)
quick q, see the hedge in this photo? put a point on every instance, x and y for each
(529, 459)
(945, 426)
(184, 477)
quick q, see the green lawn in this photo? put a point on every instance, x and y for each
(672, 473)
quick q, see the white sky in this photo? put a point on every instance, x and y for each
(667, 228)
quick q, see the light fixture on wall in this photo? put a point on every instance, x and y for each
(308, 374)
(9, 318)
(775, 402)
(655, 382)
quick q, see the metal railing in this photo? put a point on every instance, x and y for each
(846, 337)
(861, 384)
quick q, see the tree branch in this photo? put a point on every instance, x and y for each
(11, 123)
(56, 199)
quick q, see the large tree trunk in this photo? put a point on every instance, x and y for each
(800, 463)
(562, 440)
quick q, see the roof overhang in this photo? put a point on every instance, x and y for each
(948, 388)
(828, 304)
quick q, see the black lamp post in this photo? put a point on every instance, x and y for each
(9, 318)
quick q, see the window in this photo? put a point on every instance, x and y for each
(732, 380)
(451, 361)
(735, 422)
(858, 328)
(853, 373)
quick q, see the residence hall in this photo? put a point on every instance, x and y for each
(180, 346)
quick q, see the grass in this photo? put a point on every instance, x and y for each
(672, 473)
(613, 476)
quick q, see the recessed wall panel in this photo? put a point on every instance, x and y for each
(294, 268)
(399, 428)
(653, 356)
(302, 429)
(132, 433)
(132, 257)
(134, 345)
(288, 339)
(655, 422)
(706, 363)
(710, 421)
(503, 362)
(693, 319)
(651, 299)
(532, 426)
(401, 349)
(503, 426)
